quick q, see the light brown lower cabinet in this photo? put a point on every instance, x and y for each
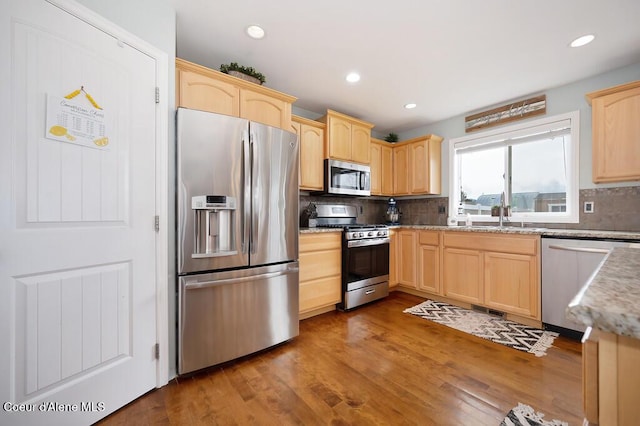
(610, 378)
(429, 261)
(393, 258)
(511, 283)
(590, 375)
(418, 260)
(462, 274)
(494, 270)
(320, 270)
(407, 258)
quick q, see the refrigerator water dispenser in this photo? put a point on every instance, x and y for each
(214, 225)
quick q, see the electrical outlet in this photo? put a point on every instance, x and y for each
(588, 206)
(442, 210)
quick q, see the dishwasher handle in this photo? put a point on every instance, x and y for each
(580, 249)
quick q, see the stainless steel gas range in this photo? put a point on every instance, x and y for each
(365, 255)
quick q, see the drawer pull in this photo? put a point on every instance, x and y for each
(373, 290)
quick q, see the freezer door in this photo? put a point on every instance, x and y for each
(211, 161)
(227, 315)
(275, 216)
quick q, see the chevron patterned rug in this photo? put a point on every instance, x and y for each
(490, 327)
(525, 415)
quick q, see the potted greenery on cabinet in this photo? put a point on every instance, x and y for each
(245, 73)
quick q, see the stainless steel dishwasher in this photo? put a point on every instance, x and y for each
(567, 265)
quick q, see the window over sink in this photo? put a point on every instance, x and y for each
(532, 166)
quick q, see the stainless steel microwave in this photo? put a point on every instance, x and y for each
(344, 178)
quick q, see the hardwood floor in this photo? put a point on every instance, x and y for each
(374, 365)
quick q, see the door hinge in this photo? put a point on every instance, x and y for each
(156, 350)
(157, 223)
(157, 95)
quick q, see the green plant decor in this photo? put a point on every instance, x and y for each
(391, 137)
(233, 66)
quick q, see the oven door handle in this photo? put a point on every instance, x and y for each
(368, 242)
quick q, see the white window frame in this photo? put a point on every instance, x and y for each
(508, 132)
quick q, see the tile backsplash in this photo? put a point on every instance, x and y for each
(615, 209)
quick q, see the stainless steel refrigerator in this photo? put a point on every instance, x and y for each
(237, 218)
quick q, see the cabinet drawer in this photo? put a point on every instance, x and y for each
(429, 238)
(320, 264)
(318, 293)
(517, 244)
(320, 241)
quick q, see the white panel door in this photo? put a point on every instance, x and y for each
(77, 238)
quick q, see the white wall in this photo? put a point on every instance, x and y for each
(570, 97)
(154, 21)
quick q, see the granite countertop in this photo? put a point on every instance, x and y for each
(318, 230)
(610, 301)
(544, 232)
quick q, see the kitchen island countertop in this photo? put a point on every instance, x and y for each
(610, 301)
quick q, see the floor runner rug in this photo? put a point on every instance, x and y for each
(524, 415)
(490, 327)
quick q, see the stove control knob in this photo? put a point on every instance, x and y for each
(370, 234)
(381, 233)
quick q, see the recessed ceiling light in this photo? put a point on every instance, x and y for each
(581, 41)
(255, 31)
(410, 106)
(353, 77)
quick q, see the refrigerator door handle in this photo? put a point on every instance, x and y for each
(246, 191)
(215, 283)
(255, 207)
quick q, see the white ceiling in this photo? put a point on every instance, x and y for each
(451, 57)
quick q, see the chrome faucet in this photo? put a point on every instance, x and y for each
(501, 217)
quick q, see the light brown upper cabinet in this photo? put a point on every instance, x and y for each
(347, 138)
(416, 166)
(381, 167)
(311, 136)
(387, 169)
(401, 170)
(616, 133)
(424, 165)
(202, 88)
